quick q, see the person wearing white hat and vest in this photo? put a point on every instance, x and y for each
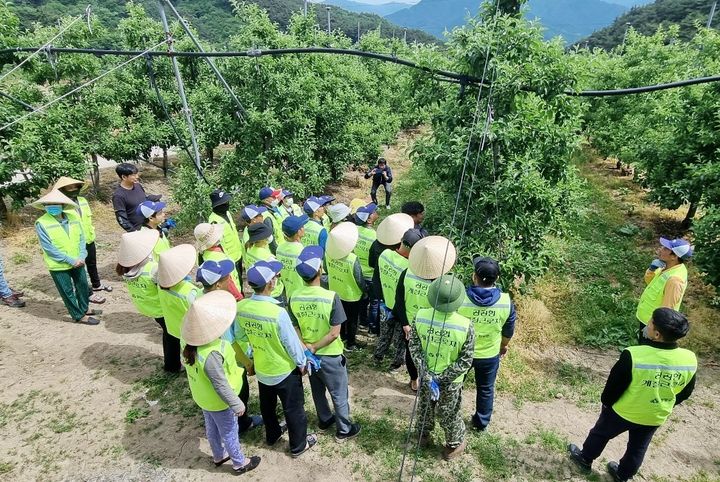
(338, 213)
(138, 269)
(220, 202)
(441, 345)
(345, 278)
(272, 217)
(64, 249)
(493, 315)
(364, 217)
(215, 378)
(278, 356)
(315, 233)
(643, 388)
(72, 188)
(288, 206)
(208, 237)
(666, 281)
(177, 291)
(318, 314)
(154, 215)
(257, 249)
(288, 251)
(430, 258)
(251, 214)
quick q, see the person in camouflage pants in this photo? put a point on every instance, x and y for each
(431, 338)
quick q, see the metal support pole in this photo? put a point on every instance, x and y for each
(712, 14)
(240, 113)
(405, 35)
(181, 89)
(328, 18)
(305, 7)
(358, 35)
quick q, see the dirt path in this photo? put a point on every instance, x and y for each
(90, 403)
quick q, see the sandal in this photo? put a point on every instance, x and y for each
(89, 321)
(97, 299)
(218, 464)
(311, 441)
(103, 288)
(252, 464)
(94, 312)
(413, 386)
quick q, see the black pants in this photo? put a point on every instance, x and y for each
(244, 420)
(609, 426)
(409, 363)
(348, 330)
(292, 398)
(91, 265)
(171, 349)
(388, 192)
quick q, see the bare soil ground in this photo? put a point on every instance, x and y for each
(91, 403)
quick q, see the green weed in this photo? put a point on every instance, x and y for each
(548, 439)
(6, 467)
(20, 258)
(64, 422)
(135, 414)
(492, 451)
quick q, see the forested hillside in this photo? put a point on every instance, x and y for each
(213, 18)
(646, 20)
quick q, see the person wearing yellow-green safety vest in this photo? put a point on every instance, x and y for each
(441, 345)
(643, 387)
(72, 188)
(345, 278)
(318, 314)
(233, 246)
(666, 281)
(177, 291)
(315, 233)
(289, 250)
(493, 316)
(256, 249)
(215, 377)
(154, 217)
(64, 249)
(272, 217)
(429, 258)
(139, 271)
(364, 218)
(278, 356)
(250, 214)
(288, 206)
(208, 237)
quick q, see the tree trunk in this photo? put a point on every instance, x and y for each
(690, 216)
(95, 173)
(3, 209)
(210, 154)
(165, 161)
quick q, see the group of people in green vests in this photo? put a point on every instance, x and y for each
(314, 273)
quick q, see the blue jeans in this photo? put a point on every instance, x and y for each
(485, 373)
(4, 288)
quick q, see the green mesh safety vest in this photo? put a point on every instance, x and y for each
(217, 256)
(362, 249)
(230, 239)
(442, 336)
(326, 222)
(287, 253)
(66, 242)
(312, 233)
(488, 322)
(144, 292)
(296, 211)
(162, 244)
(276, 220)
(311, 306)
(86, 219)
(391, 265)
(652, 297)
(255, 254)
(416, 294)
(201, 387)
(341, 279)
(175, 302)
(658, 375)
(259, 320)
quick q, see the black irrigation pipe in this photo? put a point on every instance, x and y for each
(18, 101)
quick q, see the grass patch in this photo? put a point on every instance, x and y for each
(171, 391)
(135, 414)
(6, 467)
(548, 439)
(27, 405)
(492, 452)
(20, 258)
(65, 422)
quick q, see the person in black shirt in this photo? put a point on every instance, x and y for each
(381, 174)
(128, 196)
(415, 210)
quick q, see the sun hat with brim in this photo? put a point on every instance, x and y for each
(53, 197)
(432, 257)
(341, 240)
(175, 264)
(338, 212)
(392, 228)
(446, 293)
(262, 272)
(208, 318)
(681, 247)
(258, 232)
(207, 235)
(65, 181)
(136, 246)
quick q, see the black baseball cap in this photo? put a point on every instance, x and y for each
(487, 269)
(218, 197)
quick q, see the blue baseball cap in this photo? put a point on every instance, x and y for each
(148, 208)
(287, 193)
(327, 198)
(681, 247)
(313, 203)
(262, 272)
(363, 213)
(210, 272)
(268, 191)
(252, 211)
(292, 224)
(309, 262)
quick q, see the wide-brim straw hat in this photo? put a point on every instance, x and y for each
(53, 197)
(208, 318)
(207, 235)
(175, 264)
(136, 246)
(65, 181)
(341, 240)
(392, 228)
(432, 257)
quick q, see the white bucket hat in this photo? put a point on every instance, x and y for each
(175, 264)
(392, 228)
(338, 212)
(432, 257)
(53, 197)
(341, 240)
(136, 246)
(207, 235)
(208, 318)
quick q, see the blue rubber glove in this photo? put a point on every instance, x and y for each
(656, 263)
(313, 362)
(434, 389)
(170, 223)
